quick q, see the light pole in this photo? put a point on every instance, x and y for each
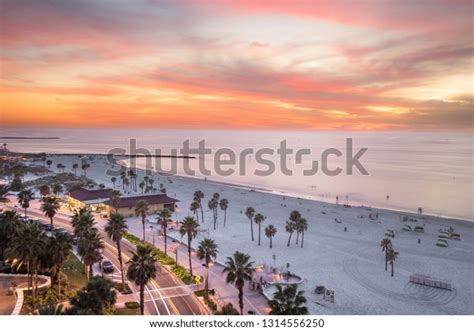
(152, 229)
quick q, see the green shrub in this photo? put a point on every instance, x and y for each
(132, 305)
(210, 303)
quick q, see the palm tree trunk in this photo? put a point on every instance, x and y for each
(289, 239)
(202, 213)
(166, 240)
(251, 228)
(25, 211)
(302, 239)
(142, 299)
(271, 242)
(3, 256)
(386, 261)
(206, 281)
(119, 251)
(392, 267)
(241, 300)
(143, 224)
(28, 274)
(297, 236)
(189, 255)
(225, 216)
(259, 227)
(51, 218)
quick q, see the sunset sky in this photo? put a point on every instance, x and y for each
(281, 64)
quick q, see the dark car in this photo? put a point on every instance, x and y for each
(107, 266)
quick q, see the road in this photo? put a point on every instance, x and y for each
(164, 295)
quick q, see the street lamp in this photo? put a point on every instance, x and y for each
(152, 228)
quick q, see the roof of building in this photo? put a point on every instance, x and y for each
(86, 194)
(151, 199)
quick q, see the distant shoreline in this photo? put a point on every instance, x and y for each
(30, 138)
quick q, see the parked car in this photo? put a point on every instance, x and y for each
(107, 266)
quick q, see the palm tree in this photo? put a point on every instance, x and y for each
(116, 226)
(141, 186)
(270, 232)
(290, 228)
(49, 163)
(301, 227)
(386, 245)
(213, 204)
(29, 241)
(113, 180)
(50, 206)
(258, 219)
(89, 247)
(189, 226)
(57, 189)
(115, 198)
(74, 168)
(58, 249)
(8, 226)
(44, 190)
(291, 224)
(194, 208)
(249, 212)
(141, 209)
(207, 251)
(24, 197)
(288, 301)
(198, 196)
(391, 257)
(82, 221)
(164, 216)
(224, 204)
(239, 270)
(142, 268)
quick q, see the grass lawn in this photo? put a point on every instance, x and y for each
(127, 311)
(73, 269)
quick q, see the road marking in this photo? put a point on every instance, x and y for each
(154, 303)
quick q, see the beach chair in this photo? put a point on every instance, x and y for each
(389, 233)
(406, 227)
(442, 243)
(419, 229)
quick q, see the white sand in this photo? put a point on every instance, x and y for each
(351, 263)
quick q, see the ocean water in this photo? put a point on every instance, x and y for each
(406, 171)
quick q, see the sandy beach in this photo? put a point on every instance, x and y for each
(349, 262)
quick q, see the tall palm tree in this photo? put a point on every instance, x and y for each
(114, 197)
(57, 189)
(164, 216)
(58, 249)
(142, 268)
(288, 301)
(82, 221)
(113, 180)
(239, 269)
(207, 251)
(89, 247)
(189, 226)
(258, 219)
(74, 168)
(386, 245)
(8, 226)
(270, 232)
(194, 208)
(290, 228)
(141, 185)
(198, 196)
(29, 241)
(250, 212)
(391, 257)
(50, 206)
(301, 227)
(213, 204)
(141, 209)
(291, 224)
(224, 204)
(24, 197)
(116, 226)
